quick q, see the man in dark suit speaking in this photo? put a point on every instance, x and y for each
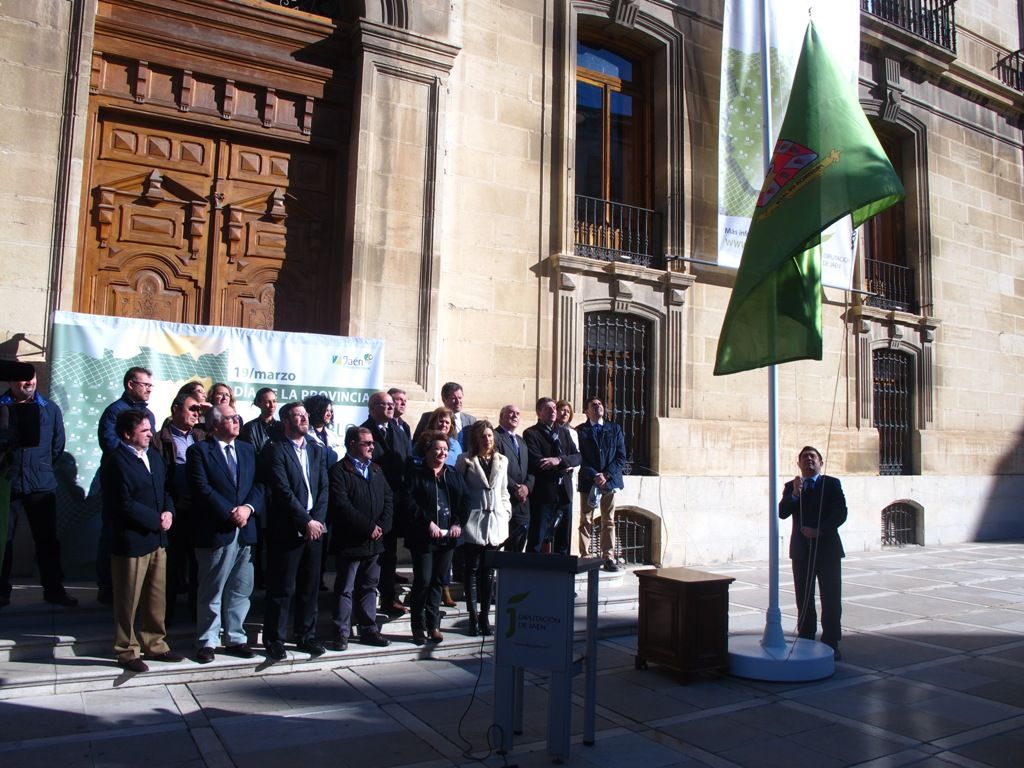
(817, 506)
(226, 500)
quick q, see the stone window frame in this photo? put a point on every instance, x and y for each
(580, 284)
(876, 328)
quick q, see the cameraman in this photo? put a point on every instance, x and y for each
(34, 492)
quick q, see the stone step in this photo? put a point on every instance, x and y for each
(33, 632)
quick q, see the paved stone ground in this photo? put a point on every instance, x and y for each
(932, 675)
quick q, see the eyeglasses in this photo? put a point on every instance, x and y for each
(195, 409)
(144, 384)
(364, 443)
(235, 418)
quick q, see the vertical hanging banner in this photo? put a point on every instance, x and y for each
(741, 162)
(91, 354)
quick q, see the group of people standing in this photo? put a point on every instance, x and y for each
(189, 506)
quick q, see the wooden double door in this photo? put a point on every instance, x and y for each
(192, 225)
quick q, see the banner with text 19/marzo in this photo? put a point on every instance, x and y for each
(740, 144)
(91, 354)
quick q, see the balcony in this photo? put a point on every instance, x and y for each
(892, 286)
(1010, 69)
(616, 232)
(932, 20)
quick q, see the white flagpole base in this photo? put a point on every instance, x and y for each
(795, 661)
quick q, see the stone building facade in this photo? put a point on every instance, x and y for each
(520, 195)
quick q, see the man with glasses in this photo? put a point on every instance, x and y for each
(138, 385)
(179, 434)
(391, 451)
(225, 501)
(360, 513)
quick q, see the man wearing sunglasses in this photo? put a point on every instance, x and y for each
(178, 434)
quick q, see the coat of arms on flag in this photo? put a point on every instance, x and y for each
(788, 160)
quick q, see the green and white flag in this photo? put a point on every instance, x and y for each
(741, 115)
(827, 164)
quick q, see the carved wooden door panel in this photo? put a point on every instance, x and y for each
(207, 228)
(147, 241)
(271, 265)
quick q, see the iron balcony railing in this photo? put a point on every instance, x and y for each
(1010, 69)
(892, 286)
(617, 232)
(933, 20)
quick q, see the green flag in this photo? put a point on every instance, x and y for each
(827, 163)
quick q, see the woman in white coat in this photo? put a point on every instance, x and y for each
(485, 471)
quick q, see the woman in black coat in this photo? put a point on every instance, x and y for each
(436, 506)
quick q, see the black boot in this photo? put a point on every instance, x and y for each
(484, 589)
(469, 586)
(473, 619)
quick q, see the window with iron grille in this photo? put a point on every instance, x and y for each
(632, 538)
(899, 525)
(615, 369)
(892, 373)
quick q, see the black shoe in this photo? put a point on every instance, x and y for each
(474, 629)
(312, 646)
(104, 595)
(205, 655)
(241, 650)
(170, 656)
(135, 665)
(338, 644)
(374, 638)
(60, 598)
(275, 650)
(611, 566)
(485, 627)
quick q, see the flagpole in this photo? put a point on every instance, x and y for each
(773, 658)
(773, 635)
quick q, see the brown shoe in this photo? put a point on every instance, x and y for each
(446, 598)
(134, 665)
(434, 636)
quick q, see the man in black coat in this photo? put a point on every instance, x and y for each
(818, 507)
(520, 481)
(34, 493)
(553, 456)
(138, 512)
(360, 514)
(296, 521)
(391, 452)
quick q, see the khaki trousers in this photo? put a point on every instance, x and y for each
(607, 508)
(139, 585)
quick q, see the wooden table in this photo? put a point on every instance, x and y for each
(684, 620)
